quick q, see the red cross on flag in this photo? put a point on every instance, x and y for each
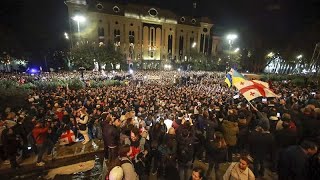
(67, 137)
(252, 89)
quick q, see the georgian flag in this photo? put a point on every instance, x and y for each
(252, 89)
(67, 137)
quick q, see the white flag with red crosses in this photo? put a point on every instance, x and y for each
(252, 89)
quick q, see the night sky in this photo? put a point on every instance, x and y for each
(37, 26)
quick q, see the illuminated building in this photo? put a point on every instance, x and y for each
(143, 33)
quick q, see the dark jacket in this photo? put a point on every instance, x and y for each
(292, 164)
(10, 143)
(111, 136)
(285, 138)
(260, 143)
(215, 153)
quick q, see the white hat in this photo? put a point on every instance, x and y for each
(116, 173)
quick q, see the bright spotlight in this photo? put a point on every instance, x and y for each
(236, 50)
(79, 18)
(232, 37)
(299, 57)
(194, 44)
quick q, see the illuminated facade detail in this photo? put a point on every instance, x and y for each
(144, 32)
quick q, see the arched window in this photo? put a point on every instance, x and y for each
(181, 45)
(201, 42)
(100, 31)
(117, 36)
(169, 43)
(131, 37)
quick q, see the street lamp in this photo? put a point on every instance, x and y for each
(79, 19)
(66, 35)
(194, 44)
(231, 38)
(299, 57)
(236, 50)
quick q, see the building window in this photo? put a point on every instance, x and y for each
(100, 31)
(206, 44)
(205, 30)
(153, 12)
(201, 42)
(131, 37)
(181, 45)
(152, 39)
(116, 9)
(169, 43)
(131, 24)
(117, 37)
(193, 21)
(99, 6)
(182, 19)
(117, 22)
(192, 42)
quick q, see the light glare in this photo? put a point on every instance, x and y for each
(79, 18)
(232, 37)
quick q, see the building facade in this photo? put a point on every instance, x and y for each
(143, 33)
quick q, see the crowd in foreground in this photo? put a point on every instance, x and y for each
(160, 122)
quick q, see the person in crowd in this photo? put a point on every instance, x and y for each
(39, 134)
(216, 152)
(292, 163)
(261, 143)
(230, 130)
(240, 170)
(111, 136)
(11, 145)
(126, 163)
(198, 174)
(136, 142)
(167, 150)
(313, 167)
(157, 134)
(284, 138)
(185, 149)
(82, 121)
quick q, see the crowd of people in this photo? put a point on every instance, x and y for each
(161, 122)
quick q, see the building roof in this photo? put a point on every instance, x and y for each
(144, 11)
